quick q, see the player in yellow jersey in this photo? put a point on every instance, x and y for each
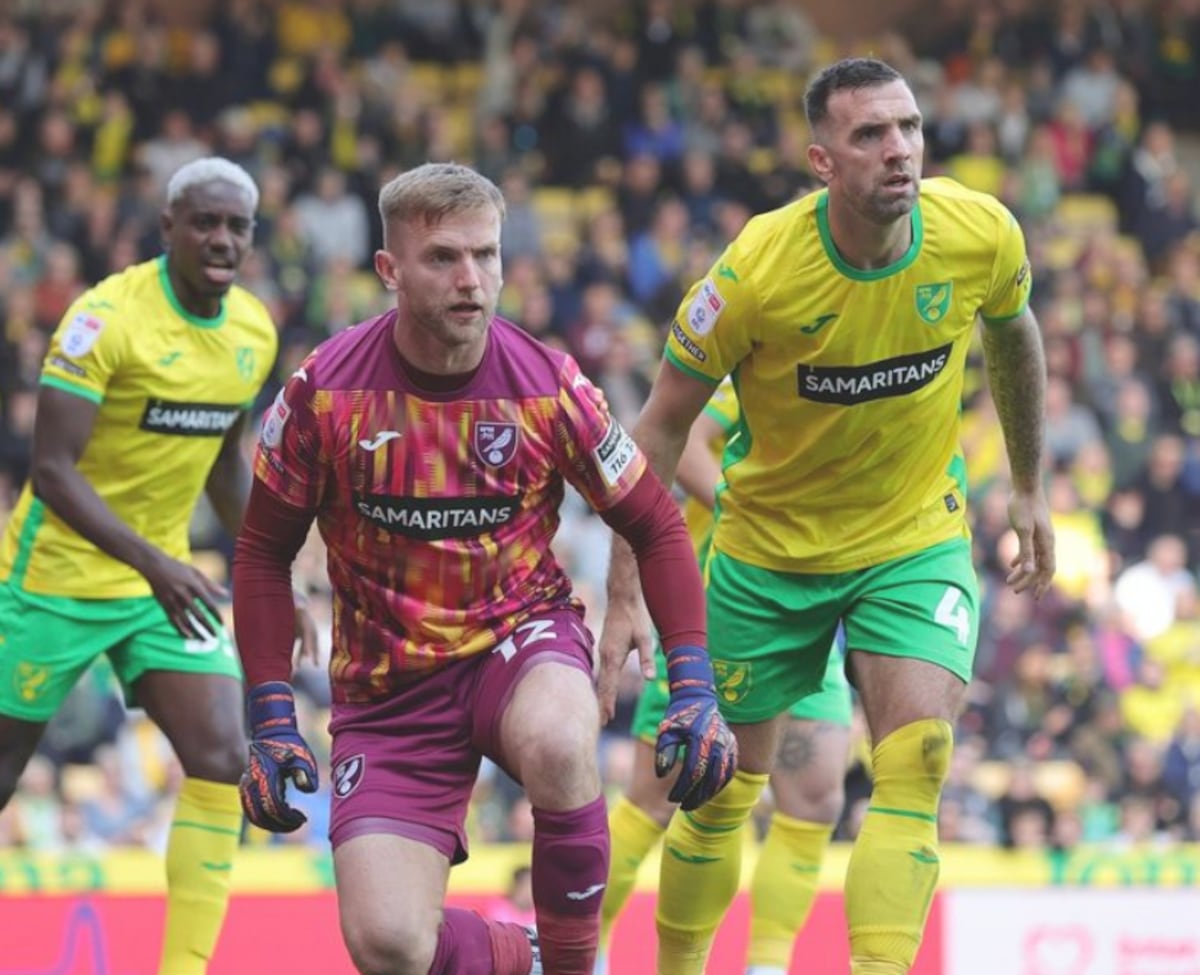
(144, 395)
(844, 319)
(806, 782)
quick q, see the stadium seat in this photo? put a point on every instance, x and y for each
(1086, 212)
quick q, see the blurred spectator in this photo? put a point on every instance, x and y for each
(1148, 592)
(632, 144)
(516, 906)
(1181, 765)
(333, 221)
(1026, 817)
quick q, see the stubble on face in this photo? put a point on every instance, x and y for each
(450, 280)
(879, 179)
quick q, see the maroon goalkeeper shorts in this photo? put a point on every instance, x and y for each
(407, 765)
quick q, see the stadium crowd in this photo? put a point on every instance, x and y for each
(631, 144)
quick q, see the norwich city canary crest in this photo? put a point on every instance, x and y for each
(933, 300)
(733, 680)
(30, 680)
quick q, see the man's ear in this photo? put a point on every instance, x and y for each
(385, 267)
(820, 163)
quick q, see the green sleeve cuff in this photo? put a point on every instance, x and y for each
(683, 367)
(1001, 319)
(68, 387)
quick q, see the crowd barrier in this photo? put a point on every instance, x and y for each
(1093, 912)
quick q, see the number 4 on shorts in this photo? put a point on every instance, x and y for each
(952, 613)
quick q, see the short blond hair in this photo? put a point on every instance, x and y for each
(433, 191)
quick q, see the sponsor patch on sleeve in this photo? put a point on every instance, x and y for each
(705, 308)
(81, 334)
(67, 366)
(273, 422)
(615, 453)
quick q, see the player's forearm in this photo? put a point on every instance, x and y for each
(263, 608)
(228, 489)
(662, 452)
(698, 472)
(72, 498)
(1016, 369)
(650, 527)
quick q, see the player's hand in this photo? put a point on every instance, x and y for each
(1033, 565)
(189, 597)
(693, 725)
(626, 627)
(277, 754)
(308, 645)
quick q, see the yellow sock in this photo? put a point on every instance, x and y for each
(204, 836)
(701, 869)
(783, 888)
(633, 835)
(894, 865)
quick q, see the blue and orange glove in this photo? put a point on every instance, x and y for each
(277, 753)
(694, 725)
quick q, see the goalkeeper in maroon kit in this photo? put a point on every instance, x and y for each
(432, 446)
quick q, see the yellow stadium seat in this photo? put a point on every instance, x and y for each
(468, 79)
(781, 85)
(430, 77)
(594, 200)
(1086, 212)
(460, 124)
(1062, 783)
(762, 160)
(555, 206)
(560, 241)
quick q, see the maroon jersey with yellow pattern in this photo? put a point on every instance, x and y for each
(438, 508)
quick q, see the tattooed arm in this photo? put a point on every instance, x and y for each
(1016, 370)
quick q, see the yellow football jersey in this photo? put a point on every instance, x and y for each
(723, 408)
(169, 385)
(849, 381)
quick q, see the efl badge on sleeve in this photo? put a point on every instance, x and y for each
(81, 334)
(495, 443)
(274, 421)
(705, 308)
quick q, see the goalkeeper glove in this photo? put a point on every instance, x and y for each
(277, 753)
(694, 725)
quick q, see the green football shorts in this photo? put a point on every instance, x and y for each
(772, 631)
(831, 703)
(47, 642)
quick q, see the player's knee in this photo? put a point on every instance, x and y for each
(220, 760)
(814, 799)
(917, 751)
(387, 946)
(563, 755)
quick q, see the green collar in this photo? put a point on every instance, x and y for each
(168, 289)
(858, 274)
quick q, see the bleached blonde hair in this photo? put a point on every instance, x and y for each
(210, 169)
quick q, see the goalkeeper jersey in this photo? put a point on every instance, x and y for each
(438, 509)
(849, 381)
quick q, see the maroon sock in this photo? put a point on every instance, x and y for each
(570, 870)
(470, 945)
